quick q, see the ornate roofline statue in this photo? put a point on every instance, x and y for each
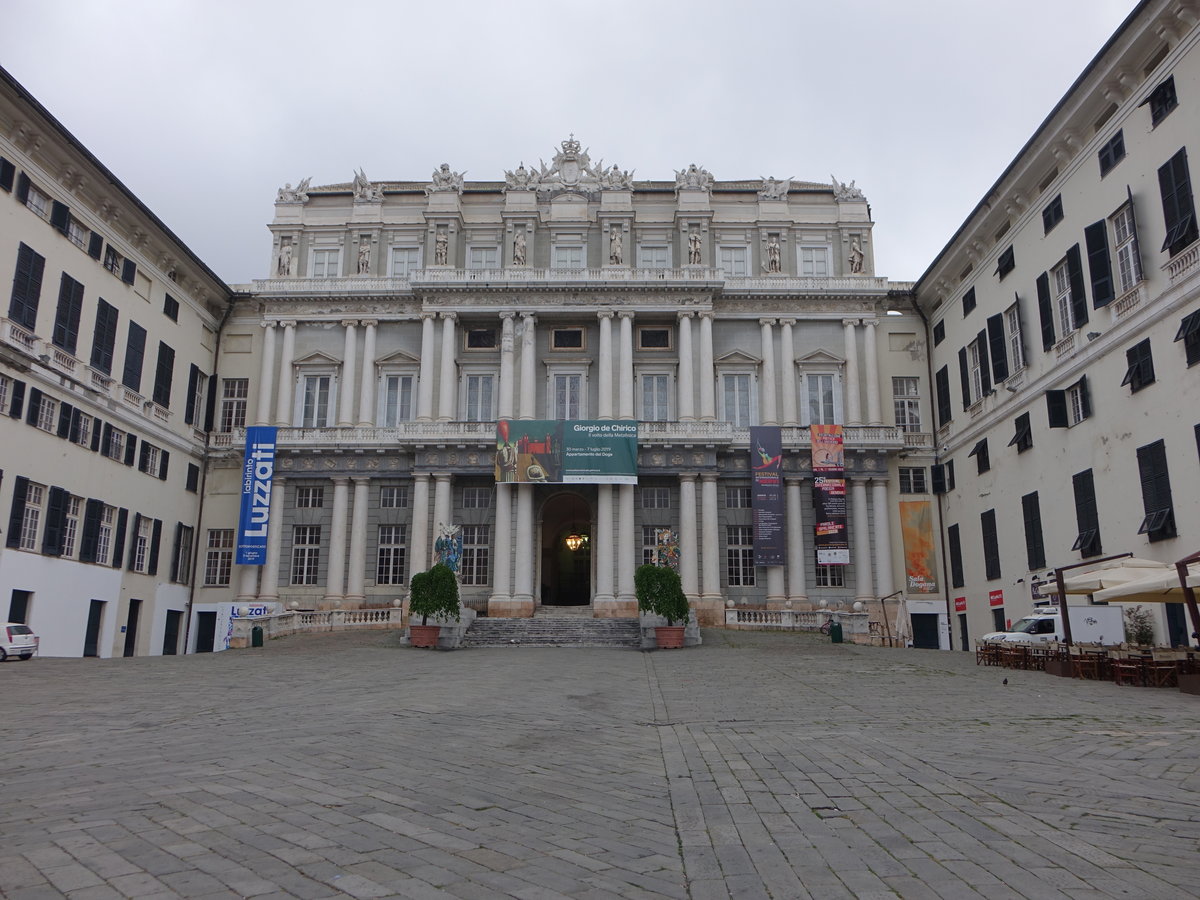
(297, 194)
(846, 191)
(694, 177)
(364, 190)
(443, 179)
(773, 189)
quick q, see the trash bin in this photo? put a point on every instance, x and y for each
(256, 636)
(835, 632)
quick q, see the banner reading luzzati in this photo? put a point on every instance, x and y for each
(258, 471)
(549, 451)
(766, 499)
(829, 495)
(920, 561)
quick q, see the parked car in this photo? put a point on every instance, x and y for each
(17, 640)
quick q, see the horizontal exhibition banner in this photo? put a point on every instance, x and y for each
(571, 451)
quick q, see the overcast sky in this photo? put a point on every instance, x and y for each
(204, 108)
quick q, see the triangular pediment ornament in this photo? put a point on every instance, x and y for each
(317, 358)
(738, 358)
(820, 358)
(398, 358)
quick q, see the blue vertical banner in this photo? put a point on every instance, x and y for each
(258, 471)
(766, 499)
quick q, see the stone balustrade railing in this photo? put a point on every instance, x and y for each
(298, 622)
(1183, 263)
(798, 620)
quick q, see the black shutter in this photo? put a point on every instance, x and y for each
(1079, 306)
(991, 546)
(937, 476)
(1179, 211)
(17, 515)
(155, 539)
(210, 402)
(964, 376)
(119, 538)
(7, 173)
(91, 530)
(18, 400)
(134, 351)
(164, 374)
(106, 442)
(56, 514)
(130, 449)
(137, 521)
(189, 409)
(143, 457)
(128, 270)
(22, 188)
(66, 318)
(998, 346)
(76, 424)
(1056, 407)
(27, 287)
(1085, 399)
(949, 474)
(985, 377)
(175, 552)
(1137, 247)
(1087, 516)
(942, 383)
(193, 478)
(105, 337)
(1035, 550)
(1046, 311)
(60, 216)
(65, 415)
(95, 245)
(35, 406)
(96, 423)
(163, 458)
(956, 566)
(1024, 342)
(1099, 265)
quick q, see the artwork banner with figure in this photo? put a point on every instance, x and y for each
(766, 499)
(561, 451)
(920, 560)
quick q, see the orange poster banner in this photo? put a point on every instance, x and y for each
(827, 448)
(920, 560)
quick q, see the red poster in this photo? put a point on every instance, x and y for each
(960, 604)
(995, 598)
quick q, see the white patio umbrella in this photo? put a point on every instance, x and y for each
(1112, 574)
(903, 623)
(1160, 588)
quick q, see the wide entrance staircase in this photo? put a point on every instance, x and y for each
(555, 626)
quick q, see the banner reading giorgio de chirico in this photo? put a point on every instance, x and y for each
(258, 471)
(766, 497)
(548, 451)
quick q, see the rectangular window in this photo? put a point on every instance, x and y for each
(1179, 211)
(81, 429)
(164, 373)
(829, 576)
(233, 403)
(656, 498)
(566, 339)
(569, 257)
(405, 261)
(104, 337)
(477, 498)
(27, 288)
(396, 404)
(38, 202)
(306, 553)
(1139, 371)
(483, 258)
(315, 397)
(393, 497)
(977, 366)
(655, 393)
(66, 317)
(821, 399)
(944, 406)
(650, 544)
(181, 563)
(193, 413)
(481, 338)
(955, 547)
(939, 332)
(1087, 518)
(479, 398)
(814, 261)
(1161, 101)
(69, 539)
(218, 559)
(1023, 433)
(1035, 550)
(982, 460)
(654, 257)
(46, 415)
(737, 498)
(1189, 333)
(171, 308)
(1052, 214)
(1069, 407)
(113, 261)
(141, 545)
(114, 447)
(968, 302)
(1060, 281)
(739, 555)
(310, 497)
(1005, 262)
(135, 349)
(105, 527)
(1112, 153)
(31, 517)
(1016, 342)
(150, 460)
(991, 546)
(1129, 262)
(733, 261)
(476, 555)
(1159, 521)
(912, 480)
(391, 554)
(325, 263)
(654, 338)
(568, 396)
(906, 400)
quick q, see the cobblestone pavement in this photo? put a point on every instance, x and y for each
(757, 765)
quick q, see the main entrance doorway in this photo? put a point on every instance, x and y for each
(566, 560)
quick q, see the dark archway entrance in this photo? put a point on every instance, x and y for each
(566, 574)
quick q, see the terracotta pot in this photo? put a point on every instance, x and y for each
(669, 637)
(423, 635)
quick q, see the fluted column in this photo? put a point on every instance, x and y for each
(418, 543)
(425, 377)
(625, 398)
(355, 594)
(787, 371)
(528, 367)
(345, 412)
(627, 543)
(266, 376)
(283, 403)
(710, 572)
(689, 569)
(335, 572)
(708, 374)
(442, 510)
(797, 591)
(446, 380)
(268, 590)
(863, 582)
(366, 380)
(853, 411)
(874, 413)
(503, 536)
(604, 408)
(524, 538)
(604, 544)
(882, 530)
(766, 393)
(508, 390)
(686, 408)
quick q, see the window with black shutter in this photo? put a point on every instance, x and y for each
(95, 246)
(1079, 305)
(189, 409)
(949, 474)
(939, 332)
(27, 287)
(937, 478)
(16, 515)
(128, 271)
(980, 452)
(1179, 211)
(104, 337)
(1023, 435)
(1159, 521)
(118, 538)
(1046, 311)
(991, 545)
(56, 516)
(1035, 549)
(90, 535)
(1161, 101)
(1189, 333)
(7, 173)
(171, 308)
(66, 317)
(1052, 214)
(942, 386)
(164, 373)
(1139, 370)
(155, 541)
(135, 349)
(1087, 519)
(968, 302)
(1006, 262)
(998, 345)
(1112, 153)
(956, 567)
(193, 478)
(1099, 263)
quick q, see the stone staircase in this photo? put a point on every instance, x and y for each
(548, 629)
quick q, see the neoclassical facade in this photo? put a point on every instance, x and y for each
(401, 320)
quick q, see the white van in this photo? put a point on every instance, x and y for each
(17, 640)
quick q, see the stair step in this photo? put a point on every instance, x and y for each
(554, 631)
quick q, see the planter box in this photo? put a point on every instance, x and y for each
(424, 635)
(669, 637)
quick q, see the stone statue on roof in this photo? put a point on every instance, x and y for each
(297, 194)
(694, 177)
(364, 190)
(520, 179)
(773, 189)
(846, 191)
(445, 180)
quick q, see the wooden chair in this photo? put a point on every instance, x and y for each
(1127, 668)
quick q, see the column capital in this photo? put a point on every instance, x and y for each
(288, 323)
(368, 323)
(449, 316)
(507, 315)
(340, 479)
(604, 314)
(360, 479)
(685, 314)
(426, 315)
(766, 321)
(268, 323)
(687, 476)
(850, 323)
(793, 479)
(625, 314)
(707, 477)
(348, 323)
(871, 322)
(529, 318)
(787, 323)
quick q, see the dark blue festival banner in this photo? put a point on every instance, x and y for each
(766, 463)
(258, 470)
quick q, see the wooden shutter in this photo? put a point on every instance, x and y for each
(60, 216)
(137, 521)
(964, 376)
(1085, 399)
(128, 271)
(95, 245)
(134, 351)
(985, 376)
(22, 188)
(1079, 305)
(1056, 408)
(1099, 264)
(937, 477)
(7, 173)
(66, 412)
(999, 347)
(17, 403)
(1046, 311)
(17, 514)
(56, 514)
(163, 458)
(35, 406)
(130, 449)
(91, 530)
(1035, 550)
(174, 577)
(189, 409)
(96, 423)
(164, 373)
(66, 317)
(155, 539)
(956, 566)
(942, 383)
(27, 287)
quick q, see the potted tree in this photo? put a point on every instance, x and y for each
(434, 594)
(660, 593)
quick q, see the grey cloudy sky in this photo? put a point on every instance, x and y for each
(204, 108)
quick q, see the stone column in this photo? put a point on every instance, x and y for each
(345, 412)
(862, 541)
(266, 374)
(528, 368)
(625, 398)
(711, 609)
(283, 404)
(874, 413)
(708, 374)
(443, 511)
(766, 393)
(268, 590)
(247, 584)
(523, 593)
(502, 567)
(335, 572)
(446, 381)
(508, 390)
(627, 544)
(604, 604)
(425, 377)
(853, 411)
(604, 408)
(355, 593)
(884, 583)
(418, 541)
(367, 386)
(689, 547)
(787, 370)
(686, 408)
(797, 562)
